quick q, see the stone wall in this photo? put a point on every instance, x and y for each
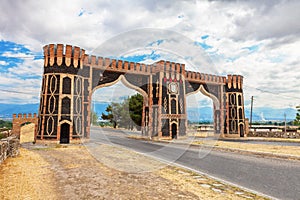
(21, 119)
(9, 147)
(275, 134)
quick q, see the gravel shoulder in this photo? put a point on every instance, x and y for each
(103, 172)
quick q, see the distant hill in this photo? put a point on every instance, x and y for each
(258, 115)
(271, 114)
(200, 114)
(194, 114)
(7, 110)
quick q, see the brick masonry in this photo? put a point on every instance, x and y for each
(71, 76)
(21, 119)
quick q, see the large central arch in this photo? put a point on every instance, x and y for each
(126, 83)
(71, 76)
(216, 106)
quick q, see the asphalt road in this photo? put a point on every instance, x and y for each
(276, 178)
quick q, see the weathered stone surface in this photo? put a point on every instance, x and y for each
(9, 147)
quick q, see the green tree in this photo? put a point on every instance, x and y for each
(297, 119)
(109, 116)
(94, 118)
(127, 114)
(136, 109)
(6, 124)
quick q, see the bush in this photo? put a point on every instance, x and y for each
(5, 124)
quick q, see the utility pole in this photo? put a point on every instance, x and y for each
(284, 124)
(251, 111)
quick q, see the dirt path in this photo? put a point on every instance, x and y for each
(73, 173)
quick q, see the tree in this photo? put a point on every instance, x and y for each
(297, 119)
(113, 113)
(6, 124)
(136, 109)
(126, 114)
(94, 117)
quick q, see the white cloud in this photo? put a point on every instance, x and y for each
(4, 63)
(29, 67)
(22, 83)
(230, 25)
(114, 93)
(16, 55)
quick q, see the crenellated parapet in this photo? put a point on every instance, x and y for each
(234, 82)
(204, 78)
(117, 65)
(25, 116)
(60, 55)
(20, 119)
(167, 66)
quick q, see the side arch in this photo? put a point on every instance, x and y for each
(122, 78)
(206, 93)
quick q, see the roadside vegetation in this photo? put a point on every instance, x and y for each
(297, 119)
(5, 124)
(128, 114)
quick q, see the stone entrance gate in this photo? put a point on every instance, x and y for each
(71, 76)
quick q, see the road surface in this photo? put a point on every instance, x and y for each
(276, 178)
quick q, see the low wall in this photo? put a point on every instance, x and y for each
(9, 147)
(275, 134)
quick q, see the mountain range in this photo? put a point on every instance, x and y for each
(194, 114)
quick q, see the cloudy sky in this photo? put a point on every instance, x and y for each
(257, 39)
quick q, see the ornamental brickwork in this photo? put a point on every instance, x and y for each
(71, 76)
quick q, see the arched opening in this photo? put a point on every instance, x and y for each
(118, 105)
(240, 100)
(66, 85)
(241, 130)
(65, 133)
(173, 106)
(66, 105)
(203, 112)
(174, 131)
(27, 131)
(240, 113)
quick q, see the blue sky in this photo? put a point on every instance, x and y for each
(257, 39)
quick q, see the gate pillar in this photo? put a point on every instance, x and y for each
(235, 117)
(168, 104)
(62, 95)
